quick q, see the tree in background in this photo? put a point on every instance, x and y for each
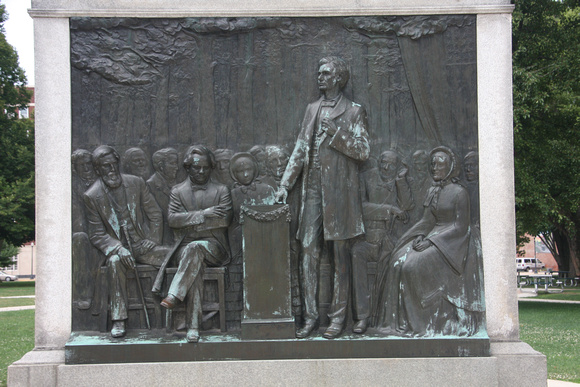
(7, 253)
(16, 149)
(546, 64)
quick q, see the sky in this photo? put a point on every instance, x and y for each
(20, 34)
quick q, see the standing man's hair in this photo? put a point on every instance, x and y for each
(340, 67)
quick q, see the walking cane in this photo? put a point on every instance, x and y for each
(124, 227)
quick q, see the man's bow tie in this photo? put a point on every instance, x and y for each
(329, 103)
(196, 187)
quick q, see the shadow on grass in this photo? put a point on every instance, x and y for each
(17, 284)
(18, 288)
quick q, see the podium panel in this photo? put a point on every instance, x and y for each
(267, 312)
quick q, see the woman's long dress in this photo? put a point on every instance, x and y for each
(437, 290)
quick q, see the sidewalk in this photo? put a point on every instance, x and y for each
(531, 296)
(548, 301)
(560, 383)
(16, 308)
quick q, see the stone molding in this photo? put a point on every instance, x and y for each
(510, 364)
(267, 10)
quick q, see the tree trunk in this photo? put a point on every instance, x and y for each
(563, 256)
(575, 263)
(574, 254)
(550, 242)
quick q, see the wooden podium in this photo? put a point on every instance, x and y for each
(267, 310)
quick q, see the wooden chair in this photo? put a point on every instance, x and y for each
(217, 274)
(136, 319)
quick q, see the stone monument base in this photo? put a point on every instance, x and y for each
(510, 364)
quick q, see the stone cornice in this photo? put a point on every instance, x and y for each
(270, 11)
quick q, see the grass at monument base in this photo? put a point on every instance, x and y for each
(16, 338)
(17, 328)
(16, 289)
(554, 330)
(10, 302)
(569, 294)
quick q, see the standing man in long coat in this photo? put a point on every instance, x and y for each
(333, 140)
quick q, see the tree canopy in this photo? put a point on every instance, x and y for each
(546, 75)
(8, 251)
(16, 149)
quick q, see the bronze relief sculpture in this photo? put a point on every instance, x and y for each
(135, 162)
(386, 201)
(244, 170)
(426, 287)
(199, 213)
(165, 164)
(332, 141)
(384, 236)
(125, 224)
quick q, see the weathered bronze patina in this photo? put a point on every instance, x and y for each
(359, 125)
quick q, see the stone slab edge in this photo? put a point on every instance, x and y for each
(511, 364)
(268, 10)
(84, 349)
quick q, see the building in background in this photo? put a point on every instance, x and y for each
(541, 252)
(29, 111)
(24, 265)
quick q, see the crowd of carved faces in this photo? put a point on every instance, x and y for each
(420, 213)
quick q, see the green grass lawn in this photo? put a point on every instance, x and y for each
(14, 289)
(19, 288)
(569, 294)
(16, 338)
(554, 330)
(8, 302)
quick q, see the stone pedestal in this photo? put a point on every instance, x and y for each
(503, 368)
(511, 363)
(267, 299)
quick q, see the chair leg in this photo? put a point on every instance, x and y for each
(158, 311)
(169, 321)
(104, 301)
(222, 302)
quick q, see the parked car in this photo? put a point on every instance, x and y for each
(529, 263)
(7, 277)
